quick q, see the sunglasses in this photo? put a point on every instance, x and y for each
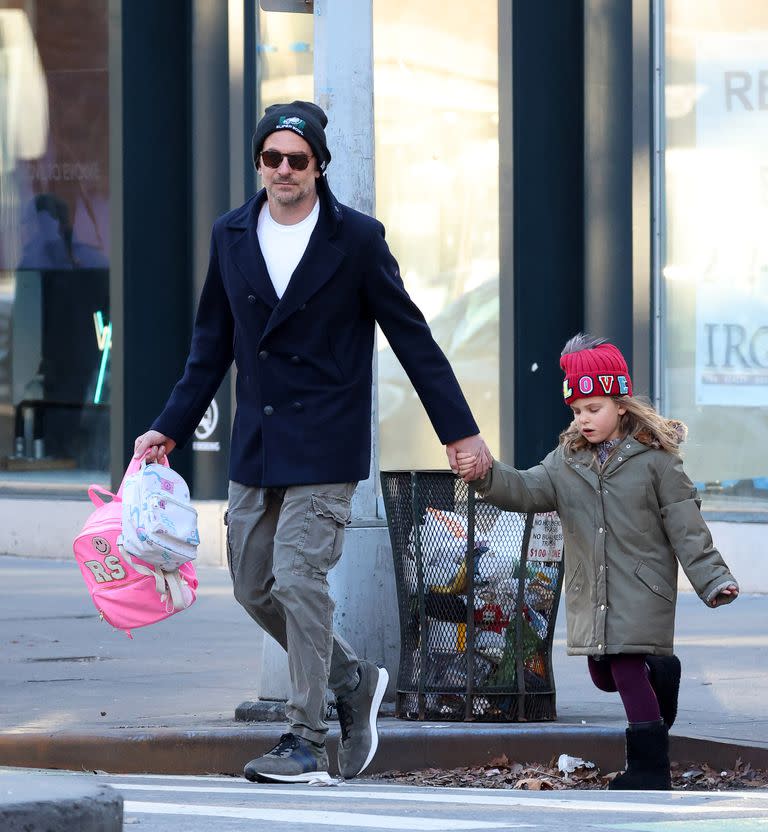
(274, 158)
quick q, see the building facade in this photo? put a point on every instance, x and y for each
(541, 168)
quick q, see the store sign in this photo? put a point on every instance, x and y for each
(206, 429)
(730, 218)
(731, 347)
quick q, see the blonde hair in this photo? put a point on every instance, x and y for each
(641, 421)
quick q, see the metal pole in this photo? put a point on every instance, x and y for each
(469, 641)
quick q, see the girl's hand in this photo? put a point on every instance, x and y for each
(725, 596)
(467, 463)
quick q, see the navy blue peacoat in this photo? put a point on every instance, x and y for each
(304, 362)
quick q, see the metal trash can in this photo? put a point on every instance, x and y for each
(473, 646)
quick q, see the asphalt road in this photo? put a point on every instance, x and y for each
(217, 804)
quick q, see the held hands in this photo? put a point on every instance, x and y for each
(469, 457)
(157, 444)
(725, 596)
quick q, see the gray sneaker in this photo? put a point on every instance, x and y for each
(292, 760)
(357, 712)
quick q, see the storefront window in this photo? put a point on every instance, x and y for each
(437, 193)
(55, 330)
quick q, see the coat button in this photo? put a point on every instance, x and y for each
(302, 307)
(251, 298)
(263, 355)
(269, 410)
(655, 587)
(600, 530)
(295, 359)
(599, 646)
(602, 606)
(620, 458)
(297, 406)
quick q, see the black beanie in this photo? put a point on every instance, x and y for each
(303, 118)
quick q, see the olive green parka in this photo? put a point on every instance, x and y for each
(625, 526)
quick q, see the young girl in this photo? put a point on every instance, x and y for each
(627, 509)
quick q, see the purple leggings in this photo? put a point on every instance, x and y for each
(627, 673)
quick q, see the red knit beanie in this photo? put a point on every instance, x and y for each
(595, 371)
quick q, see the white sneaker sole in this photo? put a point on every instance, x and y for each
(308, 777)
(381, 686)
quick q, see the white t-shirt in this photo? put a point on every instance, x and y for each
(284, 245)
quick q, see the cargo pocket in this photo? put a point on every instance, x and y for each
(654, 581)
(323, 535)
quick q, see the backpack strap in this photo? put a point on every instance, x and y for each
(176, 587)
(133, 466)
(167, 584)
(152, 573)
(94, 492)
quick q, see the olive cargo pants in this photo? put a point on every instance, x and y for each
(281, 544)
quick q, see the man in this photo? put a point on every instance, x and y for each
(295, 284)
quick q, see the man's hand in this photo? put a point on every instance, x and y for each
(157, 444)
(476, 447)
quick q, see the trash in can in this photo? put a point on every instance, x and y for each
(478, 590)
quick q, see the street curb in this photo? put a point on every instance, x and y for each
(31, 802)
(403, 746)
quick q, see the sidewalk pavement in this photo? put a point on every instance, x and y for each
(75, 694)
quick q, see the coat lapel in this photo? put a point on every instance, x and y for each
(246, 254)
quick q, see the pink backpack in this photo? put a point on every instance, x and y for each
(127, 591)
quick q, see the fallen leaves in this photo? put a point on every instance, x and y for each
(502, 773)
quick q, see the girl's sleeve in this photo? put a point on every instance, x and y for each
(513, 490)
(688, 533)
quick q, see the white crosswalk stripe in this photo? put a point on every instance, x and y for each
(338, 820)
(689, 801)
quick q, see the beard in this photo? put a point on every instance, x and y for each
(289, 197)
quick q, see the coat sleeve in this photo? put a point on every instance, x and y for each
(411, 340)
(513, 490)
(688, 533)
(210, 356)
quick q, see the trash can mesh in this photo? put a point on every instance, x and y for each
(473, 645)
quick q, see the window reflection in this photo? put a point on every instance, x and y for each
(55, 331)
(437, 172)
(715, 271)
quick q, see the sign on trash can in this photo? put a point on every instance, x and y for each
(478, 590)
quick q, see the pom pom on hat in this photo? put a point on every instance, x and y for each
(593, 367)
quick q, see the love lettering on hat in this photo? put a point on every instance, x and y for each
(598, 385)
